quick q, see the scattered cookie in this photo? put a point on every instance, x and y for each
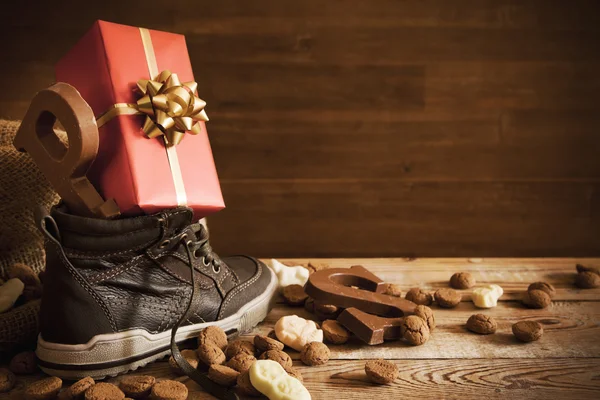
(382, 372)
(536, 299)
(482, 324)
(295, 332)
(169, 390)
(269, 378)
(583, 268)
(543, 286)
(7, 380)
(264, 343)
(314, 353)
(334, 332)
(210, 354)
(137, 386)
(279, 356)
(426, 314)
(419, 297)
(447, 298)
(239, 346)
(326, 311)
(243, 382)
(293, 372)
(414, 330)
(241, 362)
(587, 280)
(77, 390)
(309, 305)
(528, 331)
(222, 375)
(213, 335)
(462, 280)
(45, 389)
(393, 290)
(487, 296)
(23, 363)
(294, 295)
(191, 357)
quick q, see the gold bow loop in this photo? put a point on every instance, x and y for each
(171, 107)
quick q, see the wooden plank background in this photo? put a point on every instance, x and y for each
(374, 128)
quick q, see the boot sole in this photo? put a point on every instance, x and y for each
(117, 353)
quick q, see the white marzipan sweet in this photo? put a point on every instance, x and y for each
(269, 378)
(9, 293)
(487, 296)
(296, 332)
(297, 275)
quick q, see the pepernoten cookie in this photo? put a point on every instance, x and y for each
(190, 356)
(241, 362)
(77, 390)
(213, 335)
(210, 354)
(222, 375)
(245, 385)
(278, 356)
(447, 298)
(587, 280)
(426, 314)
(169, 390)
(23, 363)
(45, 389)
(264, 343)
(334, 332)
(482, 324)
(536, 299)
(419, 297)
(7, 380)
(528, 331)
(314, 353)
(382, 372)
(137, 386)
(393, 290)
(294, 295)
(414, 330)
(103, 391)
(462, 280)
(239, 346)
(543, 286)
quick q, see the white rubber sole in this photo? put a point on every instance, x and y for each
(117, 353)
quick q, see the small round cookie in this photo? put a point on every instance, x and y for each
(334, 332)
(382, 372)
(309, 305)
(279, 356)
(243, 382)
(414, 330)
(294, 295)
(191, 357)
(78, 389)
(528, 331)
(326, 311)
(294, 373)
(264, 343)
(393, 290)
(169, 390)
(426, 314)
(447, 298)
(44, 389)
(137, 386)
(210, 354)
(23, 363)
(103, 391)
(239, 346)
(419, 297)
(315, 353)
(222, 375)
(536, 299)
(587, 280)
(482, 324)
(213, 335)
(543, 286)
(462, 280)
(241, 362)
(7, 380)
(583, 268)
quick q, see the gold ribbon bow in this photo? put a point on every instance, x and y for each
(171, 107)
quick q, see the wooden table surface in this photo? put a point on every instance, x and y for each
(454, 363)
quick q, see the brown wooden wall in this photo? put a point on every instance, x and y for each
(374, 127)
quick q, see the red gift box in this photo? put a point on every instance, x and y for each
(141, 174)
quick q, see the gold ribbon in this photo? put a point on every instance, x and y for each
(171, 110)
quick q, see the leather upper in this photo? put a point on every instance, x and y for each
(105, 276)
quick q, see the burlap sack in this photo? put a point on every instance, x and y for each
(22, 189)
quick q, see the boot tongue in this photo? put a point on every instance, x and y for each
(178, 219)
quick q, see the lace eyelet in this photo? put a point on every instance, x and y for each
(204, 262)
(197, 253)
(164, 244)
(215, 269)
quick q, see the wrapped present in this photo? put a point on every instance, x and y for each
(153, 151)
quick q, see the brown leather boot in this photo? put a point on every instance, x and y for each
(116, 290)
